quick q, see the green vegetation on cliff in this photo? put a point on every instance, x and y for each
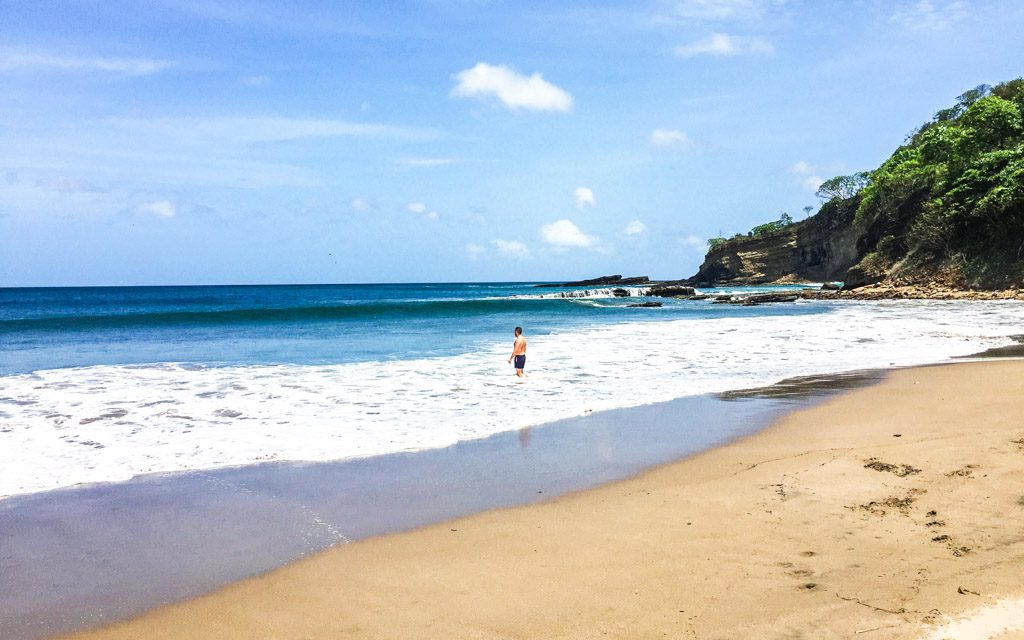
(950, 202)
(784, 221)
(947, 206)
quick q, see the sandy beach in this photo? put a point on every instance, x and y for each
(889, 512)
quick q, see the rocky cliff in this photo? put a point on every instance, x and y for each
(946, 208)
(821, 248)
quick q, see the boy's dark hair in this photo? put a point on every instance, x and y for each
(519, 330)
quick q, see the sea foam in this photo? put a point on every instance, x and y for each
(61, 427)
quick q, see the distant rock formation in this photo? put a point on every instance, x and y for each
(603, 281)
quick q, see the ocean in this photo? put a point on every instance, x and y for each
(103, 384)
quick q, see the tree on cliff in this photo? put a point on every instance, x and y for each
(953, 195)
(843, 187)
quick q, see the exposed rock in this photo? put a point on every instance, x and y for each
(671, 291)
(830, 286)
(888, 290)
(862, 275)
(698, 296)
(820, 294)
(764, 298)
(602, 281)
(757, 298)
(620, 293)
(820, 248)
(645, 304)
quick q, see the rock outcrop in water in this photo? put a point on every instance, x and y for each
(603, 281)
(670, 291)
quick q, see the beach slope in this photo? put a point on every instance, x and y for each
(887, 512)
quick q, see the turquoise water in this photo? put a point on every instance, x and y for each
(297, 324)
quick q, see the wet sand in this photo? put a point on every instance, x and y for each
(883, 513)
(90, 555)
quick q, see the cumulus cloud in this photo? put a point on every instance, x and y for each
(930, 16)
(512, 249)
(162, 208)
(474, 251)
(807, 175)
(564, 234)
(725, 45)
(635, 228)
(421, 209)
(666, 138)
(512, 89)
(583, 197)
(14, 60)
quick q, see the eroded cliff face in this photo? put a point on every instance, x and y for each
(821, 248)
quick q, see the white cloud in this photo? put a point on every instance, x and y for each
(807, 175)
(474, 251)
(669, 138)
(360, 205)
(723, 44)
(421, 209)
(693, 242)
(583, 197)
(723, 9)
(635, 228)
(12, 60)
(514, 90)
(930, 16)
(564, 233)
(512, 249)
(162, 208)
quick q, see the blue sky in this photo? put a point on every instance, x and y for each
(181, 142)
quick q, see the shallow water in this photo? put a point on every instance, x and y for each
(273, 384)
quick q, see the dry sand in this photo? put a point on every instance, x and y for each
(887, 512)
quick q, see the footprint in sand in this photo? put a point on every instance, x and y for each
(963, 472)
(801, 573)
(901, 470)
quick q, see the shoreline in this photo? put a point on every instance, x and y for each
(180, 535)
(823, 522)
